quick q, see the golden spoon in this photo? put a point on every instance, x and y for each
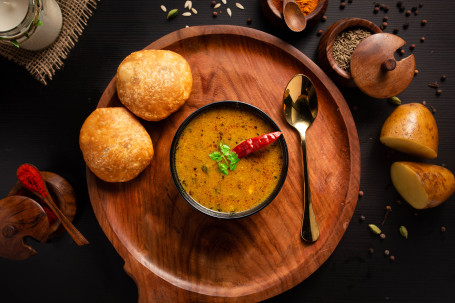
(300, 109)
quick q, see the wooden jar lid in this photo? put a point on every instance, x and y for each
(374, 69)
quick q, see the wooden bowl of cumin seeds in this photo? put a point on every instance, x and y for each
(337, 45)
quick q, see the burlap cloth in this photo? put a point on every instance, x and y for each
(43, 64)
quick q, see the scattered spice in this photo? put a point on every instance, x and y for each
(395, 30)
(412, 46)
(319, 32)
(438, 92)
(443, 78)
(324, 18)
(402, 52)
(404, 231)
(386, 252)
(434, 85)
(362, 218)
(342, 5)
(376, 10)
(443, 229)
(344, 46)
(395, 100)
(382, 236)
(392, 258)
(433, 109)
(406, 25)
(213, 3)
(306, 6)
(384, 24)
(214, 14)
(408, 13)
(374, 229)
(385, 19)
(399, 4)
(422, 39)
(370, 250)
(361, 193)
(172, 13)
(163, 8)
(248, 21)
(424, 21)
(416, 13)
(388, 209)
(424, 102)
(416, 72)
(241, 6)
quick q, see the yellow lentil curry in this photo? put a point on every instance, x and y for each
(256, 175)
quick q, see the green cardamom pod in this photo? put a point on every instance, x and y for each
(374, 229)
(404, 231)
(395, 101)
(172, 13)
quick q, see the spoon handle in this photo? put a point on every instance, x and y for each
(310, 229)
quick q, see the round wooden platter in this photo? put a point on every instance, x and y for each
(176, 254)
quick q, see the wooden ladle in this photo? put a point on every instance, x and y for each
(293, 16)
(45, 195)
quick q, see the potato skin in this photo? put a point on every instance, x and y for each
(412, 122)
(438, 182)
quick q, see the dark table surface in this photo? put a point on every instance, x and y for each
(40, 125)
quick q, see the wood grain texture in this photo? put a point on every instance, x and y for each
(369, 66)
(275, 16)
(63, 195)
(325, 48)
(21, 217)
(175, 253)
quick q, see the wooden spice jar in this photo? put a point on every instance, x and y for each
(21, 215)
(275, 17)
(373, 68)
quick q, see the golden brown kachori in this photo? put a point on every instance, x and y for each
(154, 83)
(115, 145)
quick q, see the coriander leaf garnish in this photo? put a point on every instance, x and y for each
(227, 159)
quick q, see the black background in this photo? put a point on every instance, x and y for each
(40, 125)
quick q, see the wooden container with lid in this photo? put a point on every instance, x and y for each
(21, 215)
(374, 69)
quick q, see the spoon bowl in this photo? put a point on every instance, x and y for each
(300, 110)
(293, 16)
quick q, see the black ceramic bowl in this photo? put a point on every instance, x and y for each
(280, 140)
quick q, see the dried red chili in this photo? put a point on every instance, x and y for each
(251, 145)
(30, 177)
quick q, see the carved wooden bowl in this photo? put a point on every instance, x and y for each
(275, 17)
(325, 55)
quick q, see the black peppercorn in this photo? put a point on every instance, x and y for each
(424, 21)
(319, 32)
(248, 20)
(412, 46)
(384, 24)
(408, 13)
(443, 229)
(342, 5)
(438, 92)
(422, 39)
(395, 30)
(392, 258)
(406, 25)
(371, 250)
(376, 10)
(214, 14)
(443, 78)
(213, 3)
(362, 218)
(386, 252)
(399, 4)
(402, 9)
(385, 19)
(324, 18)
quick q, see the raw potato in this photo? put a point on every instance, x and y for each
(411, 129)
(422, 185)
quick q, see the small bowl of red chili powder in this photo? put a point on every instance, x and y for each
(313, 10)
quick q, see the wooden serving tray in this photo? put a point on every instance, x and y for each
(176, 254)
